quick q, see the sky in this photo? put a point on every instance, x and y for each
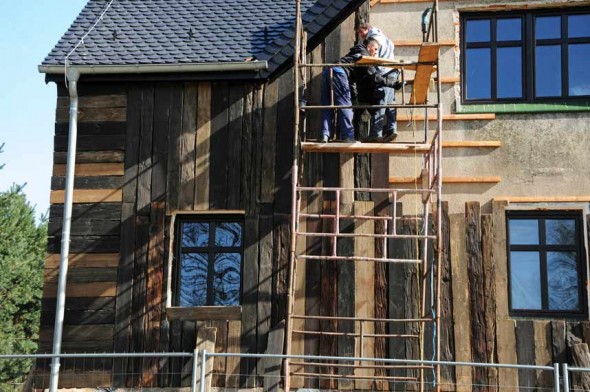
(28, 31)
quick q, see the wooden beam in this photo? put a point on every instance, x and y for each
(471, 143)
(92, 115)
(205, 313)
(543, 199)
(92, 169)
(84, 260)
(203, 145)
(96, 101)
(449, 180)
(89, 196)
(79, 333)
(91, 156)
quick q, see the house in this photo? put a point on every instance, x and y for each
(182, 199)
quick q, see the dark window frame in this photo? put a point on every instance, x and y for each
(211, 219)
(543, 248)
(529, 45)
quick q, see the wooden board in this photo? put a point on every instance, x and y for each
(460, 298)
(525, 352)
(218, 145)
(364, 288)
(506, 340)
(233, 146)
(95, 101)
(204, 313)
(85, 244)
(489, 272)
(94, 289)
(91, 143)
(88, 196)
(144, 163)
(203, 145)
(446, 329)
(428, 54)
(92, 169)
(232, 376)
(543, 352)
(206, 337)
(187, 139)
(249, 297)
(79, 333)
(97, 182)
(160, 139)
(84, 260)
(267, 175)
(81, 275)
(92, 114)
(91, 157)
(358, 147)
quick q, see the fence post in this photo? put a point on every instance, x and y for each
(556, 377)
(203, 370)
(194, 375)
(566, 378)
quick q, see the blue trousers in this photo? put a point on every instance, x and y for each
(341, 90)
(384, 120)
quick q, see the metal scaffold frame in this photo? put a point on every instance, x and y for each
(428, 192)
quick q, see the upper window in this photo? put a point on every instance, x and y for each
(525, 57)
(208, 260)
(546, 263)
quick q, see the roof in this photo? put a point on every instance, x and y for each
(158, 32)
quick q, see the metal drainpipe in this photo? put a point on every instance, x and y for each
(73, 75)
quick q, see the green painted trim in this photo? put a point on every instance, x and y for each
(525, 107)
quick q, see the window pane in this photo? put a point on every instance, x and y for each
(579, 78)
(508, 29)
(560, 231)
(578, 26)
(479, 71)
(562, 276)
(509, 72)
(226, 283)
(525, 280)
(524, 231)
(193, 279)
(228, 234)
(477, 30)
(195, 234)
(548, 27)
(548, 71)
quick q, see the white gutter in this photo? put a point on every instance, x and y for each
(158, 68)
(73, 76)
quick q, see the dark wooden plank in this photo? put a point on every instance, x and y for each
(248, 191)
(132, 145)
(82, 275)
(79, 333)
(124, 293)
(447, 342)
(97, 101)
(346, 297)
(93, 128)
(106, 304)
(173, 175)
(85, 244)
(154, 287)
(257, 151)
(280, 267)
(489, 270)
(164, 364)
(188, 155)
(91, 142)
(86, 227)
(558, 343)
(92, 114)
(204, 313)
(79, 317)
(525, 352)
(176, 346)
(313, 292)
(162, 110)
(234, 146)
(476, 290)
(188, 343)
(138, 304)
(249, 298)
(93, 89)
(219, 146)
(264, 280)
(284, 145)
(203, 148)
(91, 157)
(89, 346)
(144, 175)
(98, 182)
(104, 211)
(269, 134)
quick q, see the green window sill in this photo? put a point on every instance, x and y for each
(583, 106)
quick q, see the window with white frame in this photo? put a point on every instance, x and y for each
(546, 263)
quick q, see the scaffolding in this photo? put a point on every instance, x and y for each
(366, 238)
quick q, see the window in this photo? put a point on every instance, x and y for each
(535, 56)
(546, 263)
(208, 260)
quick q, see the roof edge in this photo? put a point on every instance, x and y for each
(158, 68)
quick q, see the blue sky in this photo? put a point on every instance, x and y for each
(28, 31)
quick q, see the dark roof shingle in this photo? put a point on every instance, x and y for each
(148, 32)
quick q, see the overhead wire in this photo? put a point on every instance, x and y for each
(81, 41)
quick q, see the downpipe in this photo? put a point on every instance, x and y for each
(72, 76)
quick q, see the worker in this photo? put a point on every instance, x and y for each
(384, 121)
(349, 84)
